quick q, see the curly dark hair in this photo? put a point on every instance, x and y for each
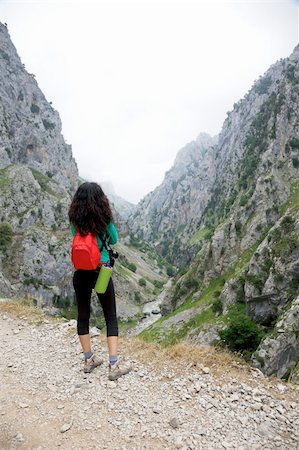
(90, 210)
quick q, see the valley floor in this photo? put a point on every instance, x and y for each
(47, 402)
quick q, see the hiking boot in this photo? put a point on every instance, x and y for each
(118, 370)
(92, 363)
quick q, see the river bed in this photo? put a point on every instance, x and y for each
(151, 311)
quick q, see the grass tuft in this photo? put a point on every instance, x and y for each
(182, 355)
(21, 308)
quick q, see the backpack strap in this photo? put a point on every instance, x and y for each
(104, 244)
(108, 248)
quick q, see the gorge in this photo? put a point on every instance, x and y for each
(223, 224)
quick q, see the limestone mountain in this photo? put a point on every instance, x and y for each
(178, 201)
(38, 175)
(227, 215)
(30, 127)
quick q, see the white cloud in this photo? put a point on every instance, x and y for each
(135, 81)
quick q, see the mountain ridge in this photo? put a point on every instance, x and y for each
(230, 224)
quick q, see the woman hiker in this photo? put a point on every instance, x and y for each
(90, 212)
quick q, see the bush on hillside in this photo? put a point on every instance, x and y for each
(158, 284)
(5, 236)
(125, 262)
(170, 271)
(142, 282)
(242, 334)
(217, 306)
(132, 267)
(191, 283)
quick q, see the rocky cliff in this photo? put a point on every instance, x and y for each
(30, 128)
(176, 204)
(38, 175)
(227, 215)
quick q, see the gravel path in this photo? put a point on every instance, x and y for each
(47, 402)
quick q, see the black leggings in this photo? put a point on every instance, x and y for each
(84, 281)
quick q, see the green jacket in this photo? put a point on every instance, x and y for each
(110, 236)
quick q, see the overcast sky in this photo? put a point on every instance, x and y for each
(134, 81)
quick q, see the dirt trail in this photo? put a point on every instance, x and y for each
(47, 402)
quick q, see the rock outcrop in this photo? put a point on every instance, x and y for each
(38, 174)
(30, 128)
(179, 201)
(279, 352)
(227, 213)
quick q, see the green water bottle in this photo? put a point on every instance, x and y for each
(103, 278)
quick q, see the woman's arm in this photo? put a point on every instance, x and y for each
(112, 232)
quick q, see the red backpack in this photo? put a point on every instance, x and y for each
(85, 252)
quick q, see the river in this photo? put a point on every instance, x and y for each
(148, 308)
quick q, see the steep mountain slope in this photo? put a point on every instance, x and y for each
(231, 225)
(38, 175)
(175, 205)
(30, 128)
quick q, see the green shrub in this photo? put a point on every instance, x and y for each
(137, 297)
(293, 288)
(4, 55)
(287, 222)
(238, 227)
(242, 334)
(209, 233)
(295, 161)
(182, 271)
(179, 291)
(294, 143)
(170, 271)
(132, 267)
(32, 281)
(217, 306)
(41, 179)
(158, 284)
(262, 86)
(275, 235)
(5, 236)
(257, 280)
(278, 278)
(243, 200)
(191, 283)
(142, 282)
(286, 245)
(70, 312)
(59, 302)
(182, 291)
(125, 262)
(48, 125)
(34, 109)
(290, 72)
